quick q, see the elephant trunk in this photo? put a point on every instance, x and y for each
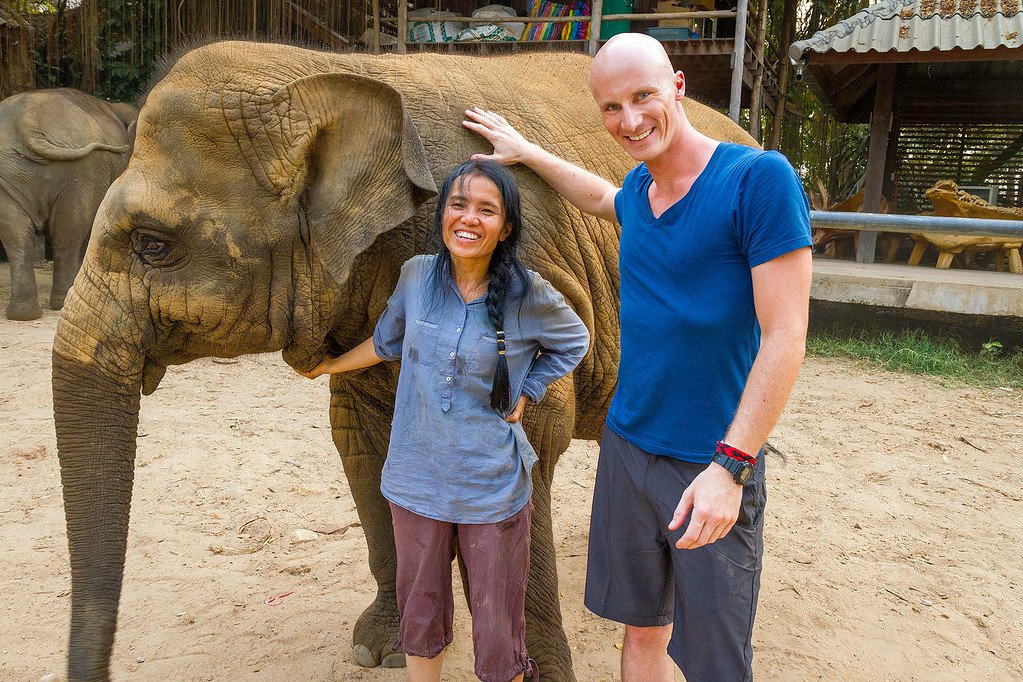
(96, 386)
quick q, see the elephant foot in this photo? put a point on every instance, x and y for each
(57, 302)
(24, 310)
(553, 666)
(375, 633)
(365, 658)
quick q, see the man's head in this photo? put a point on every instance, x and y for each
(639, 94)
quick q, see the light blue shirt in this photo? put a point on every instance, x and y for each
(451, 456)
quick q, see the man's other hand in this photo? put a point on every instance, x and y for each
(712, 500)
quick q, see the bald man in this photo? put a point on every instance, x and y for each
(715, 281)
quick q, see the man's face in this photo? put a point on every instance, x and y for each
(639, 107)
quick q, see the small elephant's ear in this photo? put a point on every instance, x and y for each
(342, 149)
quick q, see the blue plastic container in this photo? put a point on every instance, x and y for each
(667, 33)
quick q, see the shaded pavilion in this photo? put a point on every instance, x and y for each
(921, 63)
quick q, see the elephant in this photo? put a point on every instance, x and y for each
(272, 196)
(59, 151)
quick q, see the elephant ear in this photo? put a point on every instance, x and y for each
(344, 151)
(63, 133)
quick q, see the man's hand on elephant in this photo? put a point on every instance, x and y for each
(712, 500)
(516, 414)
(509, 145)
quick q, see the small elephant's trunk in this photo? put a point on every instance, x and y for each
(96, 384)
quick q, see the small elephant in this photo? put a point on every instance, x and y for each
(59, 151)
(273, 195)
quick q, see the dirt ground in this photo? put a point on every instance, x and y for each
(893, 531)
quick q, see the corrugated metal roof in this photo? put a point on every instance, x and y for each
(924, 25)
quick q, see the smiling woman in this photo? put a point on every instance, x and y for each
(458, 461)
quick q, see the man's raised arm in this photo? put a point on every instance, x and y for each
(588, 192)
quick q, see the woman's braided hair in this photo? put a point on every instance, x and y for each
(508, 276)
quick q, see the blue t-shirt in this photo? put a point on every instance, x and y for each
(688, 324)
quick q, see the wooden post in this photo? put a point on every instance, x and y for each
(402, 25)
(738, 56)
(877, 155)
(596, 17)
(376, 26)
(757, 95)
(893, 150)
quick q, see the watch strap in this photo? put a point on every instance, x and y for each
(734, 453)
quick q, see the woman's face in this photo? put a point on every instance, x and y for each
(474, 219)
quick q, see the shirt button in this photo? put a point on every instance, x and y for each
(452, 354)
(447, 378)
(459, 329)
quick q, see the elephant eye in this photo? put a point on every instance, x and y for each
(153, 249)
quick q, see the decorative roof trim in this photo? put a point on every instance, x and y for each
(822, 39)
(908, 13)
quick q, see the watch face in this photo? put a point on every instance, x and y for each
(742, 472)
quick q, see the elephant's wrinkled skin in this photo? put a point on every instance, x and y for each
(271, 199)
(59, 151)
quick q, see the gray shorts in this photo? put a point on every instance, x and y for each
(634, 574)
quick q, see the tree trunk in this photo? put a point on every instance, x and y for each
(788, 34)
(756, 98)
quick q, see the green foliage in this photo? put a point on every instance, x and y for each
(991, 349)
(46, 76)
(915, 352)
(35, 7)
(823, 151)
(122, 73)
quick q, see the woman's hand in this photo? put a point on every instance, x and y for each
(516, 414)
(363, 355)
(323, 368)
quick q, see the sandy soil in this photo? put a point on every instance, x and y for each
(893, 533)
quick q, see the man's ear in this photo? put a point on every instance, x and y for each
(680, 84)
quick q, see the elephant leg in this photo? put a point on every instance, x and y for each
(40, 257)
(70, 225)
(19, 242)
(550, 432)
(360, 428)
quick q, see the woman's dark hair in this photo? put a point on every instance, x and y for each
(508, 277)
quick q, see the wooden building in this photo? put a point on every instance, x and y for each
(698, 35)
(941, 84)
